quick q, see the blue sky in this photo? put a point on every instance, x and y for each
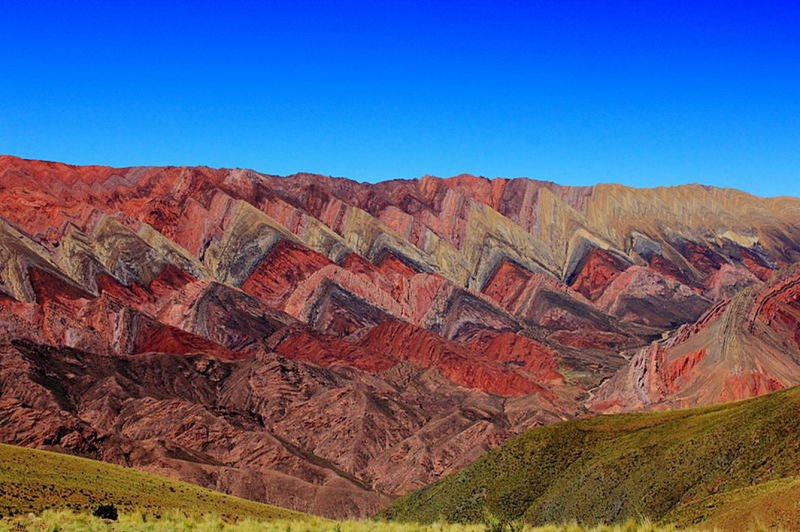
(644, 93)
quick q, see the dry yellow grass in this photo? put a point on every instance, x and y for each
(68, 521)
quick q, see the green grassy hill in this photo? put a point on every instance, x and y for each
(34, 481)
(683, 466)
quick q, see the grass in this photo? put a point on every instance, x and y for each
(658, 466)
(36, 481)
(766, 505)
(67, 521)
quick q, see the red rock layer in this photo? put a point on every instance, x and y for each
(599, 269)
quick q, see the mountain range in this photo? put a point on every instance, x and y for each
(327, 345)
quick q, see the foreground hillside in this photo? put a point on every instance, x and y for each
(327, 345)
(40, 490)
(726, 465)
(34, 481)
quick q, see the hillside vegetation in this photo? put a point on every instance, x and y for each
(47, 491)
(34, 481)
(723, 464)
(770, 504)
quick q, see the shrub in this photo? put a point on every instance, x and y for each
(106, 511)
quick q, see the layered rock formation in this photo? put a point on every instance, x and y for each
(326, 345)
(745, 346)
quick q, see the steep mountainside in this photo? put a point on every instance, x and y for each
(683, 467)
(326, 345)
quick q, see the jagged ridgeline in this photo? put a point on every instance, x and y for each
(328, 345)
(732, 466)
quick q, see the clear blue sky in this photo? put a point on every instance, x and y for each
(642, 92)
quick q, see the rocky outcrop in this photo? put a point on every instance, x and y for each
(645, 296)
